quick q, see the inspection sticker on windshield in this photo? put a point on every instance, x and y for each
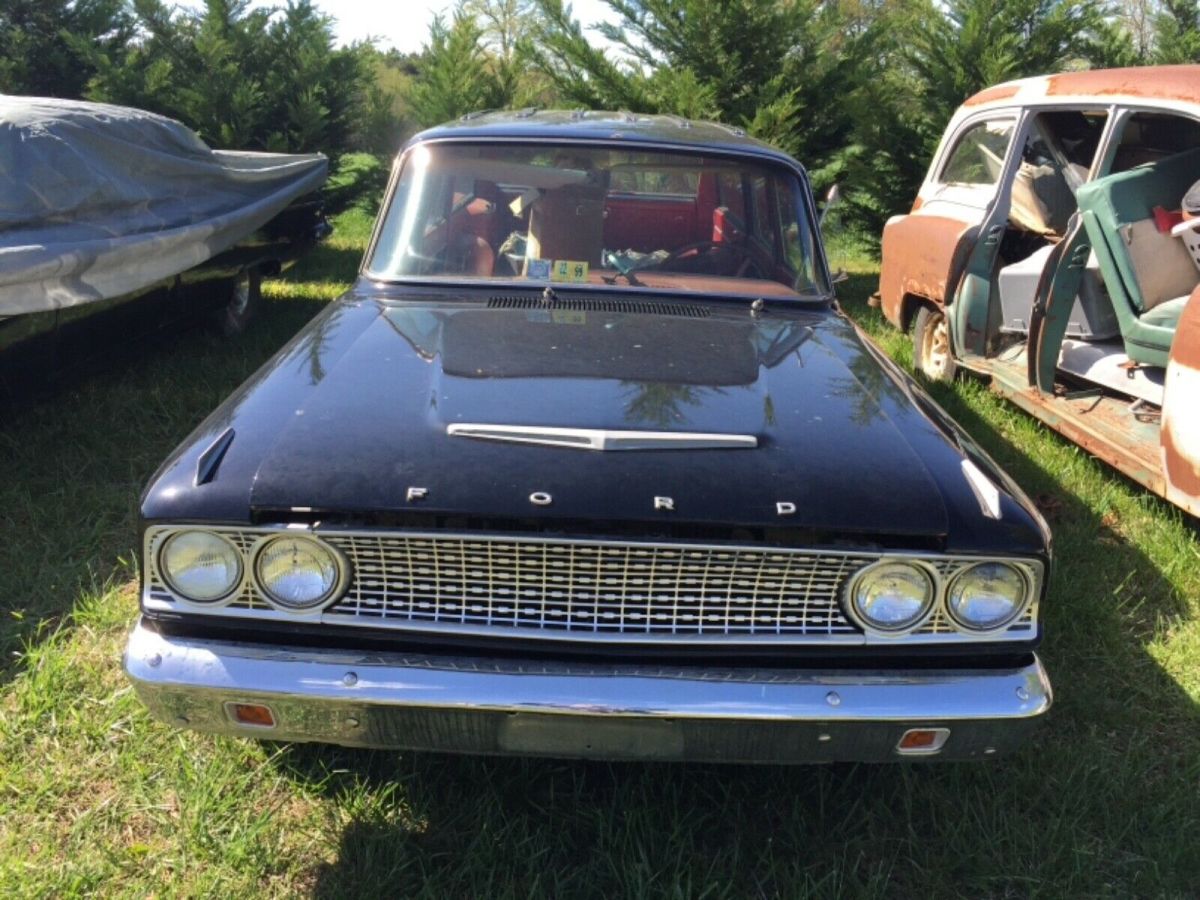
(569, 270)
(537, 269)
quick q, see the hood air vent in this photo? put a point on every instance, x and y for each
(601, 304)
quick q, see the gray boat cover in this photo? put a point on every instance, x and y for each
(97, 201)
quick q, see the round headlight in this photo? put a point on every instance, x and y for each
(891, 596)
(297, 573)
(201, 566)
(986, 596)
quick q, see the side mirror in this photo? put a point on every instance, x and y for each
(832, 198)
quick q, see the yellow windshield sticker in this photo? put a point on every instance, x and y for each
(569, 270)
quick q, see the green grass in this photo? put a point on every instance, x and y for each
(97, 798)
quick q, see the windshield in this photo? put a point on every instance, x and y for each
(597, 216)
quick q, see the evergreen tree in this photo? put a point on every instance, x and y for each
(780, 68)
(42, 41)
(1177, 32)
(386, 117)
(507, 26)
(454, 75)
(243, 78)
(934, 55)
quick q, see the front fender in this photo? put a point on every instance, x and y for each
(923, 256)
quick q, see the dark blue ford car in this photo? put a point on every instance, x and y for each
(588, 463)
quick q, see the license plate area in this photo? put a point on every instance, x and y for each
(591, 736)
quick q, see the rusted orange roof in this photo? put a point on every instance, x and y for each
(1149, 82)
(992, 94)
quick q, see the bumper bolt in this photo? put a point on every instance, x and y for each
(824, 738)
(154, 660)
(833, 698)
(1022, 694)
(350, 679)
(351, 722)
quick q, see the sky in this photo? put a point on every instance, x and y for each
(405, 24)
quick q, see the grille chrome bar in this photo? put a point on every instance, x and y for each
(584, 590)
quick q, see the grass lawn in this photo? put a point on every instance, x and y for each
(97, 798)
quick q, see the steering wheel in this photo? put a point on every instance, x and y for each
(696, 255)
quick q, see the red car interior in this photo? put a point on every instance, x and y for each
(479, 223)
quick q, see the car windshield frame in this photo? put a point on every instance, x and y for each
(820, 289)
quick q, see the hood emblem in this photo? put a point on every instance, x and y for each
(603, 439)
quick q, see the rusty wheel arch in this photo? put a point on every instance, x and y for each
(910, 303)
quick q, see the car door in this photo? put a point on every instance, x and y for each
(1054, 300)
(1180, 433)
(1124, 145)
(925, 251)
(970, 301)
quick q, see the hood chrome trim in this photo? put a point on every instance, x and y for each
(603, 439)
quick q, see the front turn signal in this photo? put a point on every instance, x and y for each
(251, 714)
(922, 741)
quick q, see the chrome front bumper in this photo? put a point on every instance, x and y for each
(581, 709)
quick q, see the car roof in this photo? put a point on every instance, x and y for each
(606, 126)
(1172, 87)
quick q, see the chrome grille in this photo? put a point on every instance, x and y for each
(581, 589)
(573, 586)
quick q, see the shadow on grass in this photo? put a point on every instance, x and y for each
(1096, 805)
(76, 457)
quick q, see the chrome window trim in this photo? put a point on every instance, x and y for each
(938, 169)
(940, 628)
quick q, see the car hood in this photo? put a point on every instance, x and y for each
(368, 431)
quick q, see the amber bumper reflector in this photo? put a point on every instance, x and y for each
(251, 714)
(916, 741)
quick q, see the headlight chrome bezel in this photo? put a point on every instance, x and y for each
(858, 618)
(1030, 571)
(248, 577)
(1000, 625)
(216, 602)
(331, 596)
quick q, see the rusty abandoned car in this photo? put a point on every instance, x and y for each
(116, 222)
(1055, 247)
(588, 463)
